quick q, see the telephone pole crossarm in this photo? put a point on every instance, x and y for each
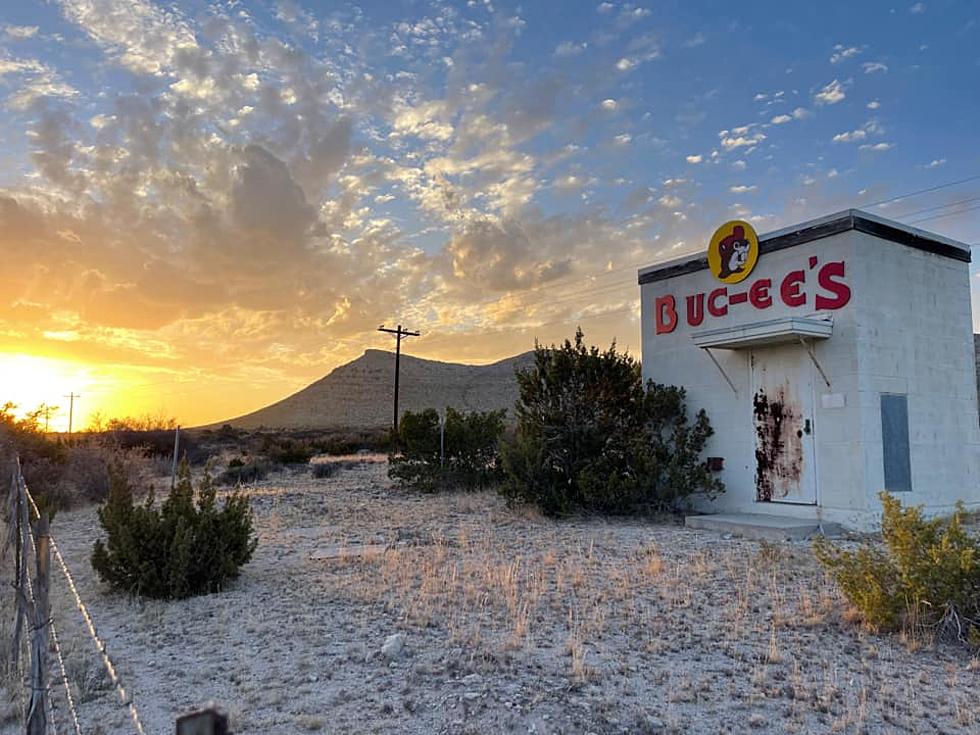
(399, 334)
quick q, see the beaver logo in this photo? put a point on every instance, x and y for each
(733, 252)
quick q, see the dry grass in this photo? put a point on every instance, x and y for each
(512, 621)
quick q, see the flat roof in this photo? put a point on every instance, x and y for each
(816, 229)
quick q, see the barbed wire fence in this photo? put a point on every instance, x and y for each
(26, 539)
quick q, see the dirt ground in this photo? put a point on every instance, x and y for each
(504, 621)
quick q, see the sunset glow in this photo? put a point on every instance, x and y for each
(206, 206)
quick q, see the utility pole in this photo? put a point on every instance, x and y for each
(71, 410)
(399, 333)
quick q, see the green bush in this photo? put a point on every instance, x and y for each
(926, 578)
(471, 458)
(284, 450)
(179, 549)
(241, 471)
(590, 436)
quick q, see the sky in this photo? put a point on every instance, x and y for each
(204, 206)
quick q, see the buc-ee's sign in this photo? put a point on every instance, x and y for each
(732, 254)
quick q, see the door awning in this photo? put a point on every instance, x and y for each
(790, 329)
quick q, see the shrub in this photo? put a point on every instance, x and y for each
(61, 474)
(471, 457)
(155, 442)
(241, 471)
(925, 579)
(321, 470)
(590, 436)
(178, 549)
(283, 450)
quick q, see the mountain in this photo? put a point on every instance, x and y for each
(360, 394)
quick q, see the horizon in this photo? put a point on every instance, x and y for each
(208, 207)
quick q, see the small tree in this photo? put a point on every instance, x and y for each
(591, 436)
(471, 458)
(926, 578)
(177, 550)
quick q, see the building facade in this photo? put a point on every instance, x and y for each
(835, 359)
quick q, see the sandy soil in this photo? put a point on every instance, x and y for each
(510, 623)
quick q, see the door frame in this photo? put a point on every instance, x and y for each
(812, 399)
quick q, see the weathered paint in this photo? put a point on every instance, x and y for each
(779, 444)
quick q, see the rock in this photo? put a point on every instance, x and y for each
(393, 646)
(653, 724)
(472, 680)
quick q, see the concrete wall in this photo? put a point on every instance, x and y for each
(906, 329)
(915, 336)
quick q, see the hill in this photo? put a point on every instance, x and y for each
(360, 394)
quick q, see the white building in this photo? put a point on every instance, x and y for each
(840, 365)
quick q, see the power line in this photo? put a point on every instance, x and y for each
(947, 214)
(923, 191)
(940, 206)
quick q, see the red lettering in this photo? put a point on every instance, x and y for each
(713, 307)
(759, 294)
(695, 309)
(790, 291)
(666, 314)
(841, 291)
(738, 298)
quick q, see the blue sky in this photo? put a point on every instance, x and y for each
(245, 190)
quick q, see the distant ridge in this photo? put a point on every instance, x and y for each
(360, 394)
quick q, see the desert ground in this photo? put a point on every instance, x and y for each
(372, 609)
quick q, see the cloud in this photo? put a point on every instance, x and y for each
(605, 7)
(625, 64)
(870, 67)
(698, 39)
(842, 53)
(140, 36)
(21, 32)
(877, 146)
(742, 188)
(873, 105)
(570, 48)
(740, 137)
(850, 137)
(917, 8)
(695, 158)
(609, 104)
(830, 94)
(781, 119)
(935, 163)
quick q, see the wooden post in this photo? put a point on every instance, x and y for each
(17, 504)
(173, 467)
(209, 721)
(37, 710)
(442, 439)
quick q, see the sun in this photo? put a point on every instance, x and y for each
(29, 382)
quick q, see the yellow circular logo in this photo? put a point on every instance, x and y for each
(733, 251)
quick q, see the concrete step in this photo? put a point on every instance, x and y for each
(762, 526)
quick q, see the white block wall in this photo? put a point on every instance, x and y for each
(907, 329)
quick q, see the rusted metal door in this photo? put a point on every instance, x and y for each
(782, 418)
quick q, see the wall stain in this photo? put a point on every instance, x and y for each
(779, 445)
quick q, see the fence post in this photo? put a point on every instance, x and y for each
(173, 467)
(208, 721)
(37, 717)
(20, 561)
